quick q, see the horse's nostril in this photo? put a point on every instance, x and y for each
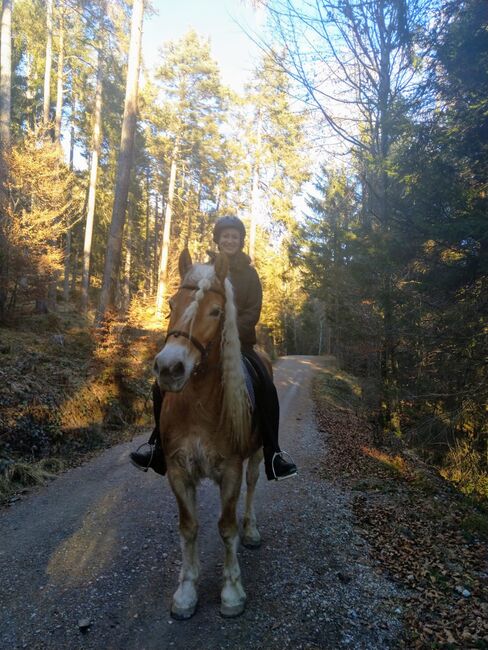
(178, 368)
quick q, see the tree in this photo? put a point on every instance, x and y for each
(114, 246)
(192, 140)
(372, 80)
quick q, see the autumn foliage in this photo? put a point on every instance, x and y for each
(43, 202)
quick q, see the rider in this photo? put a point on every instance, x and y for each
(229, 234)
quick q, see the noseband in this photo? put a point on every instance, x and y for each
(204, 350)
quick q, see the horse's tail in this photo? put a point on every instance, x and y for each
(236, 408)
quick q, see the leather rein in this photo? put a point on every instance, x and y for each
(203, 349)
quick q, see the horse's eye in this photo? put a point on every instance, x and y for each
(216, 311)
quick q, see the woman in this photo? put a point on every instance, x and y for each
(229, 234)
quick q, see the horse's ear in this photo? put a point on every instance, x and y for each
(184, 263)
(221, 266)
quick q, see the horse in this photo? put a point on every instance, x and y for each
(206, 423)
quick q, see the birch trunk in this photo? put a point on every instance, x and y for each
(90, 214)
(114, 246)
(163, 265)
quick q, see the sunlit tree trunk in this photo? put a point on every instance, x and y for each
(114, 247)
(90, 214)
(163, 263)
(5, 73)
(255, 202)
(48, 62)
(60, 84)
(147, 242)
(155, 243)
(125, 289)
(69, 234)
(5, 101)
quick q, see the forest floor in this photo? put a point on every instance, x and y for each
(427, 537)
(66, 393)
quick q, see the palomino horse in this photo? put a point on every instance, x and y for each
(206, 423)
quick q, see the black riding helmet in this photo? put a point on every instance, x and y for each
(229, 222)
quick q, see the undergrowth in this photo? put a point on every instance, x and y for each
(427, 535)
(67, 392)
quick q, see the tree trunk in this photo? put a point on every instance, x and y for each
(163, 265)
(125, 289)
(255, 191)
(5, 105)
(147, 243)
(5, 74)
(60, 79)
(114, 246)
(69, 234)
(155, 243)
(48, 63)
(90, 215)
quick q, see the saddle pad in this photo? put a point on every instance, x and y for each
(249, 373)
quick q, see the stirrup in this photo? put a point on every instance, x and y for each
(140, 467)
(281, 478)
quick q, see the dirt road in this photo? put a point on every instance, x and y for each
(99, 548)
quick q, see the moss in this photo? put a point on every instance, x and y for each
(475, 525)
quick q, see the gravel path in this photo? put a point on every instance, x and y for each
(99, 548)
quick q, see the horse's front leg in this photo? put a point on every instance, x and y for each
(233, 597)
(251, 537)
(185, 597)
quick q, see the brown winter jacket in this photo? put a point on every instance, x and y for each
(248, 296)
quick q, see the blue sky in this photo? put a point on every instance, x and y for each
(220, 20)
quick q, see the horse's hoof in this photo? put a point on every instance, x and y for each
(180, 614)
(249, 542)
(231, 611)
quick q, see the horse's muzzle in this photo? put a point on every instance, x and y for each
(170, 376)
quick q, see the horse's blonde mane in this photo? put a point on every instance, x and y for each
(236, 409)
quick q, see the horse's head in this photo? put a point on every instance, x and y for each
(195, 322)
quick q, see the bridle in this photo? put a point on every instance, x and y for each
(203, 349)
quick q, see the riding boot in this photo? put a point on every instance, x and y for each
(275, 465)
(268, 406)
(153, 457)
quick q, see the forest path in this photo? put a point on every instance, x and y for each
(101, 543)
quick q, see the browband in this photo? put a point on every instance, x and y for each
(195, 288)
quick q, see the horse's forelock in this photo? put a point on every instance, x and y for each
(200, 276)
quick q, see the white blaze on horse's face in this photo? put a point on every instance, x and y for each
(196, 314)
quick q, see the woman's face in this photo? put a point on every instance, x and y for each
(230, 241)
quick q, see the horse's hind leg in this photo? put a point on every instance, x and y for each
(233, 597)
(185, 597)
(251, 537)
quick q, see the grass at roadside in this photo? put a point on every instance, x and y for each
(426, 535)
